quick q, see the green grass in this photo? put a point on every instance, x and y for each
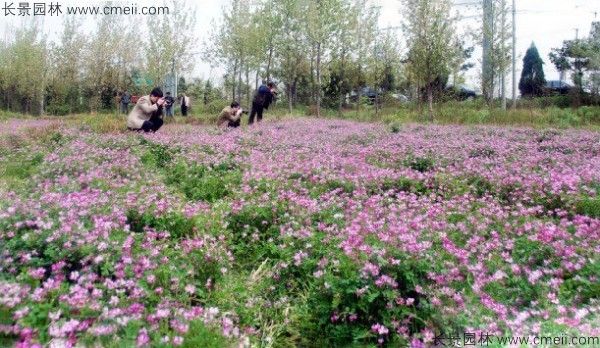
(589, 207)
(201, 336)
(475, 112)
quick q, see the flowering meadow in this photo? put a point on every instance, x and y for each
(305, 232)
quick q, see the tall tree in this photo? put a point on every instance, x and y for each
(108, 61)
(532, 77)
(289, 53)
(429, 29)
(24, 70)
(321, 23)
(67, 63)
(170, 42)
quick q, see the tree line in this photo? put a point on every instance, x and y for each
(319, 52)
(83, 71)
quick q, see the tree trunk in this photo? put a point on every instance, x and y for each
(341, 83)
(269, 63)
(289, 97)
(318, 80)
(503, 39)
(235, 66)
(239, 83)
(430, 101)
(294, 92)
(42, 96)
(256, 80)
(248, 95)
(358, 96)
(312, 79)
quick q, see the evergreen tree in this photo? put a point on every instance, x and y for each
(532, 77)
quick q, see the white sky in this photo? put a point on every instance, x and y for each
(545, 22)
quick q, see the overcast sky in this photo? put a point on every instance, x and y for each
(545, 22)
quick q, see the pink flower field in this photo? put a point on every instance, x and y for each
(305, 232)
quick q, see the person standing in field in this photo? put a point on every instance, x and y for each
(265, 95)
(230, 116)
(147, 113)
(125, 100)
(169, 102)
(185, 104)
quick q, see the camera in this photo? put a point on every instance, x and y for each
(245, 112)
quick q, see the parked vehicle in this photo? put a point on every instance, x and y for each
(461, 93)
(558, 87)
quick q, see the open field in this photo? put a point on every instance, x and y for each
(300, 232)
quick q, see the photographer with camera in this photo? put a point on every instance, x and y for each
(147, 113)
(231, 116)
(265, 95)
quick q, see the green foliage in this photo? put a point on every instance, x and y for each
(531, 252)
(157, 155)
(430, 32)
(582, 286)
(201, 336)
(420, 164)
(329, 310)
(207, 183)
(532, 81)
(176, 224)
(254, 233)
(6, 319)
(513, 290)
(334, 184)
(400, 184)
(482, 152)
(480, 186)
(589, 206)
(21, 166)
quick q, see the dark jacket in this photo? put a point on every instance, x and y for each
(169, 101)
(263, 97)
(126, 98)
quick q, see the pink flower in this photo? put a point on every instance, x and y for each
(177, 340)
(37, 273)
(190, 289)
(142, 338)
(379, 329)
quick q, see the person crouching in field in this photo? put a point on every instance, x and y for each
(147, 113)
(231, 116)
(265, 95)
